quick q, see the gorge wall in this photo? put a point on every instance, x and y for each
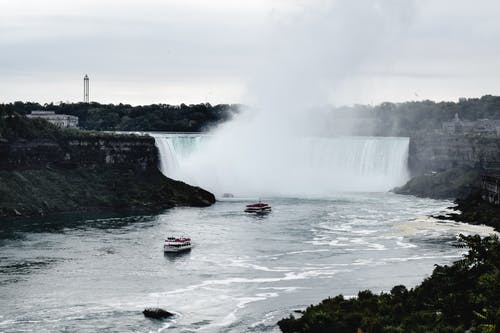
(450, 166)
(89, 151)
(88, 172)
(439, 152)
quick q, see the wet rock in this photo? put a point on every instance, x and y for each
(475, 210)
(157, 313)
(449, 184)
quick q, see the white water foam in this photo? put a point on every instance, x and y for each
(287, 166)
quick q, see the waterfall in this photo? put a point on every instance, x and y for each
(288, 166)
(173, 148)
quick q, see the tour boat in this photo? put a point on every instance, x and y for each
(258, 208)
(177, 244)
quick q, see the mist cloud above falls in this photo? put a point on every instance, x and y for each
(311, 48)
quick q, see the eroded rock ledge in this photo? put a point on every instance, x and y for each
(45, 170)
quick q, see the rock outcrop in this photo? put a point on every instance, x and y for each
(82, 171)
(92, 150)
(448, 184)
(45, 191)
(433, 153)
(474, 210)
(157, 313)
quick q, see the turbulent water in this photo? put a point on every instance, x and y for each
(88, 274)
(243, 274)
(297, 166)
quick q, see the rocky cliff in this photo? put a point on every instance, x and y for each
(442, 152)
(35, 192)
(449, 166)
(87, 171)
(84, 151)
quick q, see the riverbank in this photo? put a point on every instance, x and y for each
(453, 299)
(474, 210)
(450, 184)
(46, 170)
(46, 191)
(461, 184)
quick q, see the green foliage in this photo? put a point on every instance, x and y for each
(124, 117)
(46, 191)
(386, 119)
(414, 118)
(14, 126)
(453, 299)
(477, 211)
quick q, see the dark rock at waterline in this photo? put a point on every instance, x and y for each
(459, 183)
(157, 313)
(26, 193)
(449, 184)
(46, 170)
(474, 210)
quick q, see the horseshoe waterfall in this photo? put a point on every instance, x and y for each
(304, 166)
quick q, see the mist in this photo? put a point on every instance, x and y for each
(280, 144)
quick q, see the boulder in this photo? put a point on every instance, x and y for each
(156, 313)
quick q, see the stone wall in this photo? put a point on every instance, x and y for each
(106, 150)
(441, 152)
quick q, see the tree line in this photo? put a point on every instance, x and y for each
(125, 117)
(412, 118)
(385, 119)
(454, 299)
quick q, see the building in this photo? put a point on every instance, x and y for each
(490, 186)
(479, 127)
(86, 89)
(60, 120)
(458, 126)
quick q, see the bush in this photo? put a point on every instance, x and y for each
(453, 299)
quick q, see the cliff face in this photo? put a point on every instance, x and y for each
(44, 191)
(88, 173)
(91, 151)
(443, 152)
(449, 166)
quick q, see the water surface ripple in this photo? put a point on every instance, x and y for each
(244, 273)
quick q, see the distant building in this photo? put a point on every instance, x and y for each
(480, 127)
(86, 89)
(458, 126)
(60, 120)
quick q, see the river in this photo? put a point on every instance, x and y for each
(88, 274)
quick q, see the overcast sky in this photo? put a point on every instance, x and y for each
(173, 51)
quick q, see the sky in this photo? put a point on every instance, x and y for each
(227, 51)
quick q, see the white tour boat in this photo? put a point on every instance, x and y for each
(177, 244)
(258, 208)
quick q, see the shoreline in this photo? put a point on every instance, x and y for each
(47, 192)
(463, 186)
(454, 298)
